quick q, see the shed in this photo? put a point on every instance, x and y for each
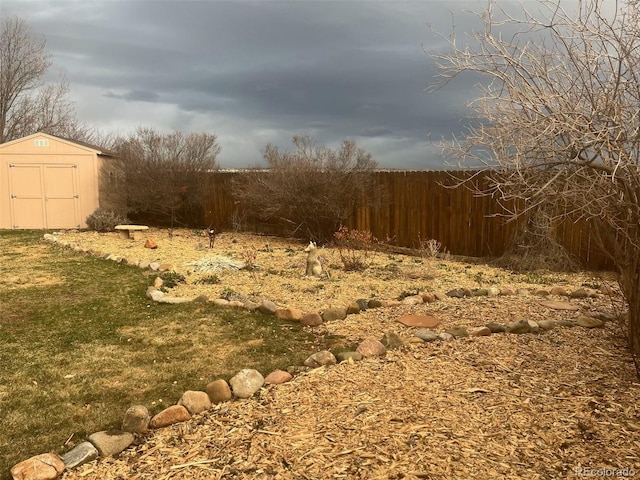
(49, 182)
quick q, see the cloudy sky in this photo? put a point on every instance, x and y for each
(259, 72)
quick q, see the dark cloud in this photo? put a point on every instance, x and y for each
(259, 72)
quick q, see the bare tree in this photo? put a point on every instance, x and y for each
(559, 118)
(312, 190)
(165, 175)
(27, 103)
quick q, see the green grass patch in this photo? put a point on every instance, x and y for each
(80, 343)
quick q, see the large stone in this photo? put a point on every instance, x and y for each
(371, 347)
(82, 453)
(110, 442)
(158, 282)
(546, 324)
(374, 303)
(426, 321)
(246, 382)
(458, 332)
(46, 466)
(412, 300)
(312, 319)
(219, 391)
(519, 327)
(169, 416)
(496, 327)
(428, 297)
(195, 401)
(346, 356)
(426, 335)
(320, 358)
(560, 291)
(559, 305)
(480, 332)
(533, 325)
(583, 293)
(277, 377)
(493, 291)
(589, 322)
(392, 340)
(565, 323)
(289, 313)
(363, 304)
(150, 243)
(353, 308)
(268, 307)
(221, 302)
(136, 419)
(446, 337)
(332, 314)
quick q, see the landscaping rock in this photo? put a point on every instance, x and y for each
(353, 308)
(155, 266)
(221, 302)
(496, 327)
(363, 304)
(459, 293)
(173, 300)
(332, 314)
(559, 305)
(589, 322)
(201, 299)
(371, 347)
(251, 306)
(560, 291)
(507, 291)
(345, 356)
(412, 300)
(565, 323)
(319, 359)
(195, 401)
(46, 466)
(374, 303)
(427, 321)
(606, 289)
(246, 382)
(480, 292)
(218, 391)
(533, 326)
(439, 296)
(268, 307)
(158, 282)
(428, 297)
(150, 243)
(546, 324)
(277, 377)
(480, 332)
(136, 419)
(288, 313)
(169, 416)
(312, 319)
(82, 453)
(583, 293)
(541, 292)
(110, 442)
(143, 264)
(426, 335)
(493, 291)
(446, 337)
(166, 267)
(458, 332)
(391, 341)
(519, 327)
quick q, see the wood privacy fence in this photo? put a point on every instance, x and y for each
(418, 206)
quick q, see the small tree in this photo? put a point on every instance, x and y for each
(312, 190)
(559, 119)
(27, 104)
(166, 175)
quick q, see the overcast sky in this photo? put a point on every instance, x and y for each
(260, 72)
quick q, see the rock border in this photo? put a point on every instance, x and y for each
(247, 382)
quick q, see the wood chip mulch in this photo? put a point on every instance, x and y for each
(535, 406)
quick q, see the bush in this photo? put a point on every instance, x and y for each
(172, 279)
(105, 220)
(312, 190)
(355, 248)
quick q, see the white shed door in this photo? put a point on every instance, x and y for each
(44, 196)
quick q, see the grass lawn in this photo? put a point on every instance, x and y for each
(80, 343)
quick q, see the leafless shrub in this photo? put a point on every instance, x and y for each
(559, 119)
(166, 175)
(312, 190)
(355, 248)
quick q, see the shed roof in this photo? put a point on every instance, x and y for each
(96, 148)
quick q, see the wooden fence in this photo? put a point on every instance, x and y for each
(418, 206)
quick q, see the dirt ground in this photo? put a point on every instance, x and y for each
(558, 404)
